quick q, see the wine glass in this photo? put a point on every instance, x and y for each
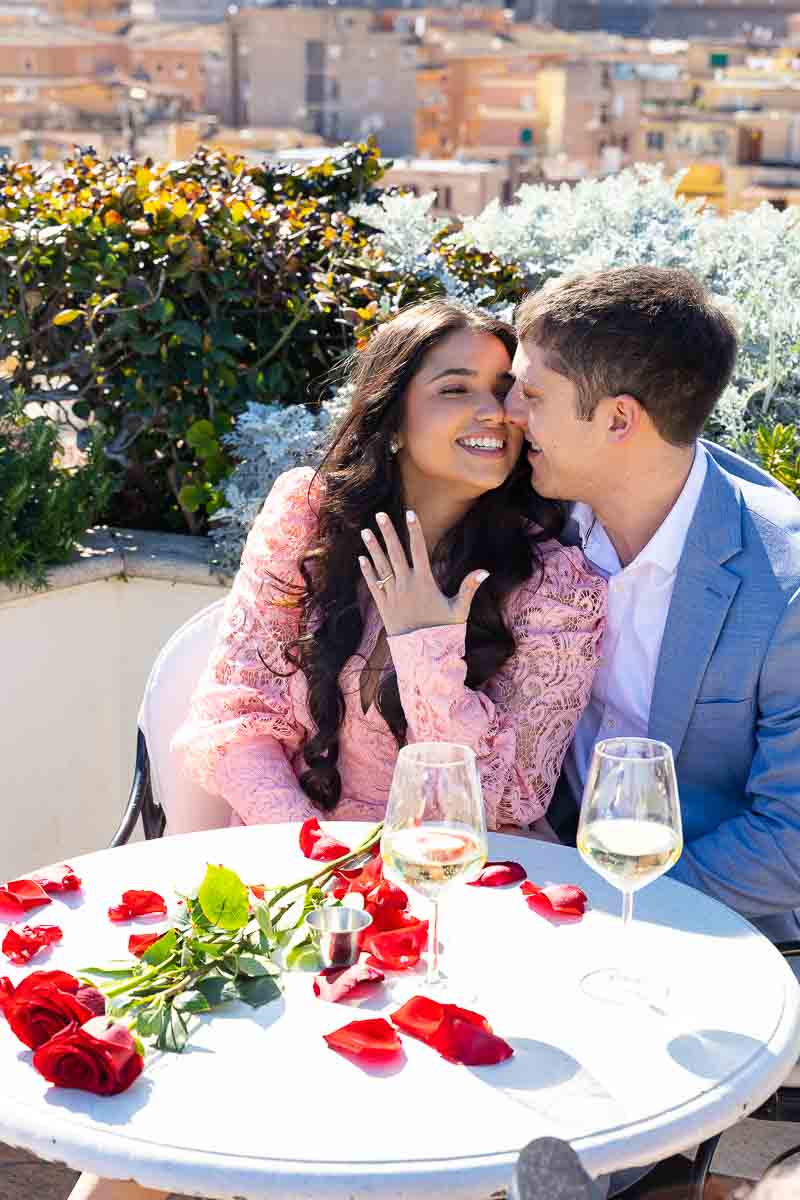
(630, 832)
(434, 831)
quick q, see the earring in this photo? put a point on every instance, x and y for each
(394, 444)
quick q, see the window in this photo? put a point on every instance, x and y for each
(718, 59)
(654, 139)
(505, 192)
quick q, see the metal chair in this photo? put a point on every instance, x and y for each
(160, 795)
(783, 1105)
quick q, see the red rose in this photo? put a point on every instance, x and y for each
(43, 1004)
(98, 1057)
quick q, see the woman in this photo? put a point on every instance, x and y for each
(410, 590)
(363, 615)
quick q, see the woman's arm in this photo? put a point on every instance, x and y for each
(242, 731)
(521, 725)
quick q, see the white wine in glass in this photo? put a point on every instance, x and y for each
(434, 831)
(630, 832)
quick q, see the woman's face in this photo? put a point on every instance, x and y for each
(454, 430)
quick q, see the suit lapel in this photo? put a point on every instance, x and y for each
(703, 593)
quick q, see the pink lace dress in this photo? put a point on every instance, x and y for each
(244, 736)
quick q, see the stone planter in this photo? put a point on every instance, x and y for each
(75, 660)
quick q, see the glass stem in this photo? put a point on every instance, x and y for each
(433, 975)
(627, 909)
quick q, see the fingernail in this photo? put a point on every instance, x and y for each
(362, 562)
(411, 517)
(481, 576)
(382, 518)
(366, 535)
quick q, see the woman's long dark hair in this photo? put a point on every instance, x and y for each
(361, 477)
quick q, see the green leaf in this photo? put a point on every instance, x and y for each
(110, 972)
(217, 990)
(200, 433)
(195, 1002)
(191, 497)
(223, 898)
(303, 956)
(207, 950)
(67, 316)
(173, 1030)
(161, 950)
(251, 966)
(257, 992)
(148, 1022)
(263, 917)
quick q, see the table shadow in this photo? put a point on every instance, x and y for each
(555, 1086)
(108, 1110)
(713, 1053)
(681, 912)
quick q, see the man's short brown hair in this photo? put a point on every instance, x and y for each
(650, 332)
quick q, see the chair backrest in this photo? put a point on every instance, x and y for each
(165, 703)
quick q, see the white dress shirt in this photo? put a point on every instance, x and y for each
(639, 597)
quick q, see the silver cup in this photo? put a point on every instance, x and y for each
(335, 932)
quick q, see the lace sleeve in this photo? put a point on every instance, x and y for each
(522, 721)
(241, 730)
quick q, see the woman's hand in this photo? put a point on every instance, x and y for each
(409, 597)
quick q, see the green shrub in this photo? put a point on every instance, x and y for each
(778, 450)
(159, 300)
(45, 505)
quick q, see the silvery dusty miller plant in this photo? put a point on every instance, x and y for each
(750, 261)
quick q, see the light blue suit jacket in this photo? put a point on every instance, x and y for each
(726, 695)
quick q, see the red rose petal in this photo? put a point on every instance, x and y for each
(92, 999)
(21, 945)
(557, 900)
(458, 1034)
(60, 878)
(420, 1017)
(372, 1040)
(352, 982)
(464, 1042)
(386, 894)
(6, 991)
(20, 895)
(137, 904)
(397, 949)
(499, 874)
(138, 943)
(318, 845)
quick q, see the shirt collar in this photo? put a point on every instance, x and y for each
(665, 547)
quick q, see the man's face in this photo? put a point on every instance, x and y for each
(565, 452)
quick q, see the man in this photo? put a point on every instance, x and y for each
(615, 376)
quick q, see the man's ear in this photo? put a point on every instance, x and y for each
(624, 416)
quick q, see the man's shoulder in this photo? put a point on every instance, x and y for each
(770, 513)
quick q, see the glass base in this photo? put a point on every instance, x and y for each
(612, 985)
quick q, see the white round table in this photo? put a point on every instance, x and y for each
(258, 1107)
